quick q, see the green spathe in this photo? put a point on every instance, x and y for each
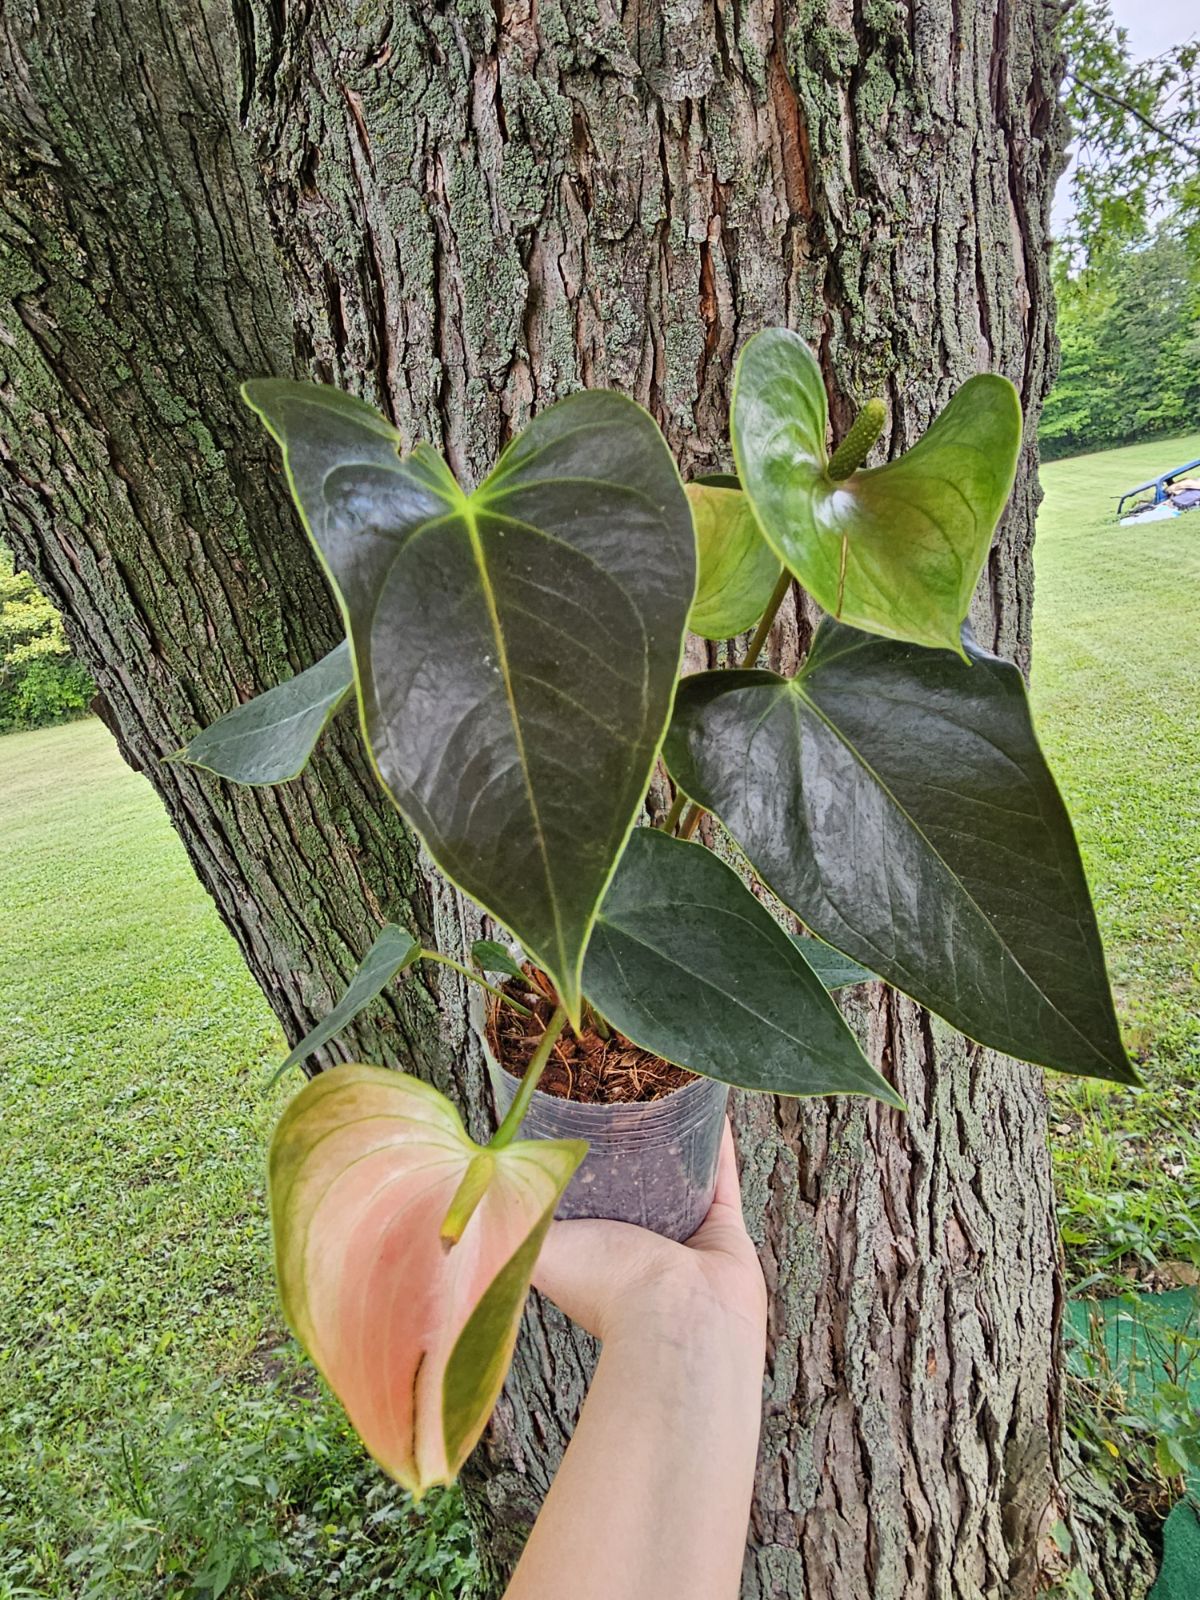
(738, 570)
(896, 550)
(896, 798)
(515, 649)
(687, 963)
(269, 739)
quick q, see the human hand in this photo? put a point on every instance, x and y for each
(612, 1277)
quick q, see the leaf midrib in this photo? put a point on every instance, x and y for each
(794, 688)
(706, 982)
(472, 526)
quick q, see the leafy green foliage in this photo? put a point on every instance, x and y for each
(40, 680)
(896, 799)
(491, 956)
(156, 1431)
(1134, 1395)
(1135, 127)
(1130, 333)
(687, 963)
(896, 550)
(515, 651)
(515, 648)
(270, 738)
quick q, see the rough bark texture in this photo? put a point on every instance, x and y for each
(462, 212)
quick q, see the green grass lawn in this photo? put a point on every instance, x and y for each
(1116, 687)
(158, 1435)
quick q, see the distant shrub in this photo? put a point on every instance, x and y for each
(40, 680)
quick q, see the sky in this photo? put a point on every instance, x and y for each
(1156, 24)
(1153, 26)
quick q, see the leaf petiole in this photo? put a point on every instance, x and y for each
(669, 822)
(475, 977)
(507, 1130)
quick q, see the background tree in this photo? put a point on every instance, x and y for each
(1126, 278)
(1129, 328)
(1135, 128)
(462, 212)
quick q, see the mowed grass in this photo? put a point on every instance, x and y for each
(158, 1434)
(1116, 690)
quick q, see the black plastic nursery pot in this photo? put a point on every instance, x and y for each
(653, 1163)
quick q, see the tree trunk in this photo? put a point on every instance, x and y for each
(462, 212)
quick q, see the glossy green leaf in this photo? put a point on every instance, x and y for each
(896, 550)
(412, 1336)
(687, 963)
(393, 950)
(897, 800)
(489, 955)
(270, 738)
(515, 649)
(738, 570)
(835, 970)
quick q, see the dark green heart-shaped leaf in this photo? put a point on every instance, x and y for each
(516, 648)
(835, 970)
(897, 800)
(897, 549)
(738, 570)
(270, 738)
(489, 955)
(393, 950)
(687, 963)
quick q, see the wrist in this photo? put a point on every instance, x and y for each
(681, 1311)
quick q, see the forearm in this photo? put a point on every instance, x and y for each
(653, 1497)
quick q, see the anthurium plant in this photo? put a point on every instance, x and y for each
(514, 651)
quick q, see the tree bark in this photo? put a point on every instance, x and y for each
(462, 212)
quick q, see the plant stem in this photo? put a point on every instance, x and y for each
(448, 961)
(691, 822)
(753, 650)
(767, 621)
(507, 1130)
(672, 817)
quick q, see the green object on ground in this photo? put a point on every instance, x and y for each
(1131, 1354)
(1179, 1578)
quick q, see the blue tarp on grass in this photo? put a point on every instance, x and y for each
(1133, 1356)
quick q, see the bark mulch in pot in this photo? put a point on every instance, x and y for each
(588, 1068)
